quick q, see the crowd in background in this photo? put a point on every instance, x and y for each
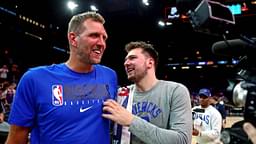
(9, 77)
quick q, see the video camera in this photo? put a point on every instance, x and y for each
(215, 18)
(242, 88)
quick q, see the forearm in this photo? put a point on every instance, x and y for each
(17, 135)
(16, 141)
(152, 134)
(211, 134)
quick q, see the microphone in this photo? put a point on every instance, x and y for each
(199, 110)
(235, 47)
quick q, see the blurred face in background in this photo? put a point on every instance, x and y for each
(204, 101)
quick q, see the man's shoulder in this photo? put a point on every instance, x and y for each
(171, 83)
(179, 87)
(214, 110)
(104, 68)
(36, 71)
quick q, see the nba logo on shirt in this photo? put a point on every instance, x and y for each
(57, 95)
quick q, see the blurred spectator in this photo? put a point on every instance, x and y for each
(4, 73)
(6, 57)
(4, 126)
(218, 103)
(194, 99)
(14, 74)
(2, 110)
(8, 94)
(207, 120)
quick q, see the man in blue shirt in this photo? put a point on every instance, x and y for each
(62, 103)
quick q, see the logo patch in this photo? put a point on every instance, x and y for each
(85, 109)
(124, 91)
(57, 95)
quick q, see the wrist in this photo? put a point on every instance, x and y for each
(130, 120)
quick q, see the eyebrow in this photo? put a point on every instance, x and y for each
(130, 56)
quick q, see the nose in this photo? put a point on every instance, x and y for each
(101, 41)
(126, 62)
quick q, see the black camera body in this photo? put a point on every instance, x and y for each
(242, 92)
(212, 17)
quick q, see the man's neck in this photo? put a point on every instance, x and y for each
(205, 106)
(79, 67)
(146, 84)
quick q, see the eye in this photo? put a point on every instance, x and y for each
(94, 35)
(98, 35)
(105, 37)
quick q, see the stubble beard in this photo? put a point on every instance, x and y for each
(137, 76)
(88, 58)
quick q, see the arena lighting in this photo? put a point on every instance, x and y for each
(210, 63)
(235, 61)
(71, 5)
(93, 8)
(7, 11)
(222, 62)
(60, 49)
(244, 7)
(174, 64)
(161, 23)
(145, 2)
(204, 63)
(215, 66)
(201, 63)
(168, 23)
(185, 67)
(191, 63)
(34, 36)
(235, 9)
(172, 12)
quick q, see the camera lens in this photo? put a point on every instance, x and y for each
(225, 136)
(239, 95)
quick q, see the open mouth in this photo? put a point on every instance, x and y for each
(97, 51)
(129, 70)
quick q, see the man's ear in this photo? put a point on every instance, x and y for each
(151, 62)
(72, 39)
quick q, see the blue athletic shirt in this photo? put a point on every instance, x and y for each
(62, 106)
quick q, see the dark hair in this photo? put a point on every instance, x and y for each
(146, 47)
(75, 24)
